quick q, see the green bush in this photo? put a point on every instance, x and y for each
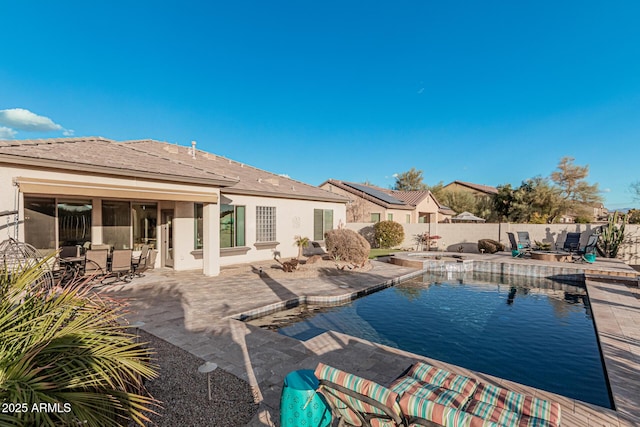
(388, 234)
(490, 246)
(347, 246)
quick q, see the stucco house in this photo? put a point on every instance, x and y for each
(197, 209)
(368, 203)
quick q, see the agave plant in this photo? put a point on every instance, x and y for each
(66, 358)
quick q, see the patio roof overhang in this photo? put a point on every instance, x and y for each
(85, 189)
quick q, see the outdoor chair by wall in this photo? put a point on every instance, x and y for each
(571, 242)
(120, 266)
(590, 248)
(524, 242)
(141, 263)
(516, 250)
(95, 263)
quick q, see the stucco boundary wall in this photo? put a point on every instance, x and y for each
(453, 236)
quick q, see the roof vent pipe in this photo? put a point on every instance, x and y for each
(193, 149)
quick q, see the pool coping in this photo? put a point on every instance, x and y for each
(606, 284)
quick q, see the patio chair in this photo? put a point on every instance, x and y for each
(587, 254)
(95, 263)
(524, 242)
(120, 266)
(356, 401)
(516, 250)
(571, 242)
(69, 252)
(140, 264)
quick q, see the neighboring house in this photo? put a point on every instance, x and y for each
(476, 189)
(369, 203)
(198, 210)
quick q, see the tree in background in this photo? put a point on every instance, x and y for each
(543, 200)
(575, 192)
(459, 201)
(410, 181)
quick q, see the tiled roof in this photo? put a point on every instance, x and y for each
(101, 155)
(251, 180)
(156, 160)
(411, 197)
(479, 187)
(371, 195)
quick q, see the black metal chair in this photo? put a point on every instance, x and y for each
(571, 242)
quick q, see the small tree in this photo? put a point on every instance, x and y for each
(301, 243)
(410, 180)
(388, 233)
(347, 246)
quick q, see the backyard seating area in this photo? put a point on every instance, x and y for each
(427, 396)
(71, 263)
(569, 251)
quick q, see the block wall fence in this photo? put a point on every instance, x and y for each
(454, 236)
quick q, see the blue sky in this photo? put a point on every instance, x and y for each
(490, 92)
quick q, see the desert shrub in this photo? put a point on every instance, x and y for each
(347, 246)
(490, 246)
(388, 233)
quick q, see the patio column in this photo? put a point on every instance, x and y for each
(96, 221)
(211, 239)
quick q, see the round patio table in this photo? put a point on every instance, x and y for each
(300, 405)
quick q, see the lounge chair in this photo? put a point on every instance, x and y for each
(429, 397)
(356, 401)
(590, 248)
(516, 250)
(524, 242)
(571, 242)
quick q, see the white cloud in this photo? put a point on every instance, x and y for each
(68, 132)
(21, 119)
(395, 175)
(7, 133)
(606, 190)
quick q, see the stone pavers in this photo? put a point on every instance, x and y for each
(197, 313)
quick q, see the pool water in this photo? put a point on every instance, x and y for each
(540, 335)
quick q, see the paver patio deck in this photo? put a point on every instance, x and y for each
(197, 314)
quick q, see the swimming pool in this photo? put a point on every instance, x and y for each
(539, 334)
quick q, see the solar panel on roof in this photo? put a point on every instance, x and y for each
(375, 193)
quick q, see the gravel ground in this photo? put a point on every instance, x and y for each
(183, 391)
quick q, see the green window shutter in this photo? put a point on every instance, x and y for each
(318, 224)
(328, 221)
(240, 225)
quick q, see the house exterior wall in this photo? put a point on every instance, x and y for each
(293, 218)
(183, 223)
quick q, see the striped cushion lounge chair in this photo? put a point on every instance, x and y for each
(355, 401)
(512, 409)
(476, 404)
(422, 412)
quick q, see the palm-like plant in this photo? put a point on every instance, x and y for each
(67, 348)
(301, 243)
